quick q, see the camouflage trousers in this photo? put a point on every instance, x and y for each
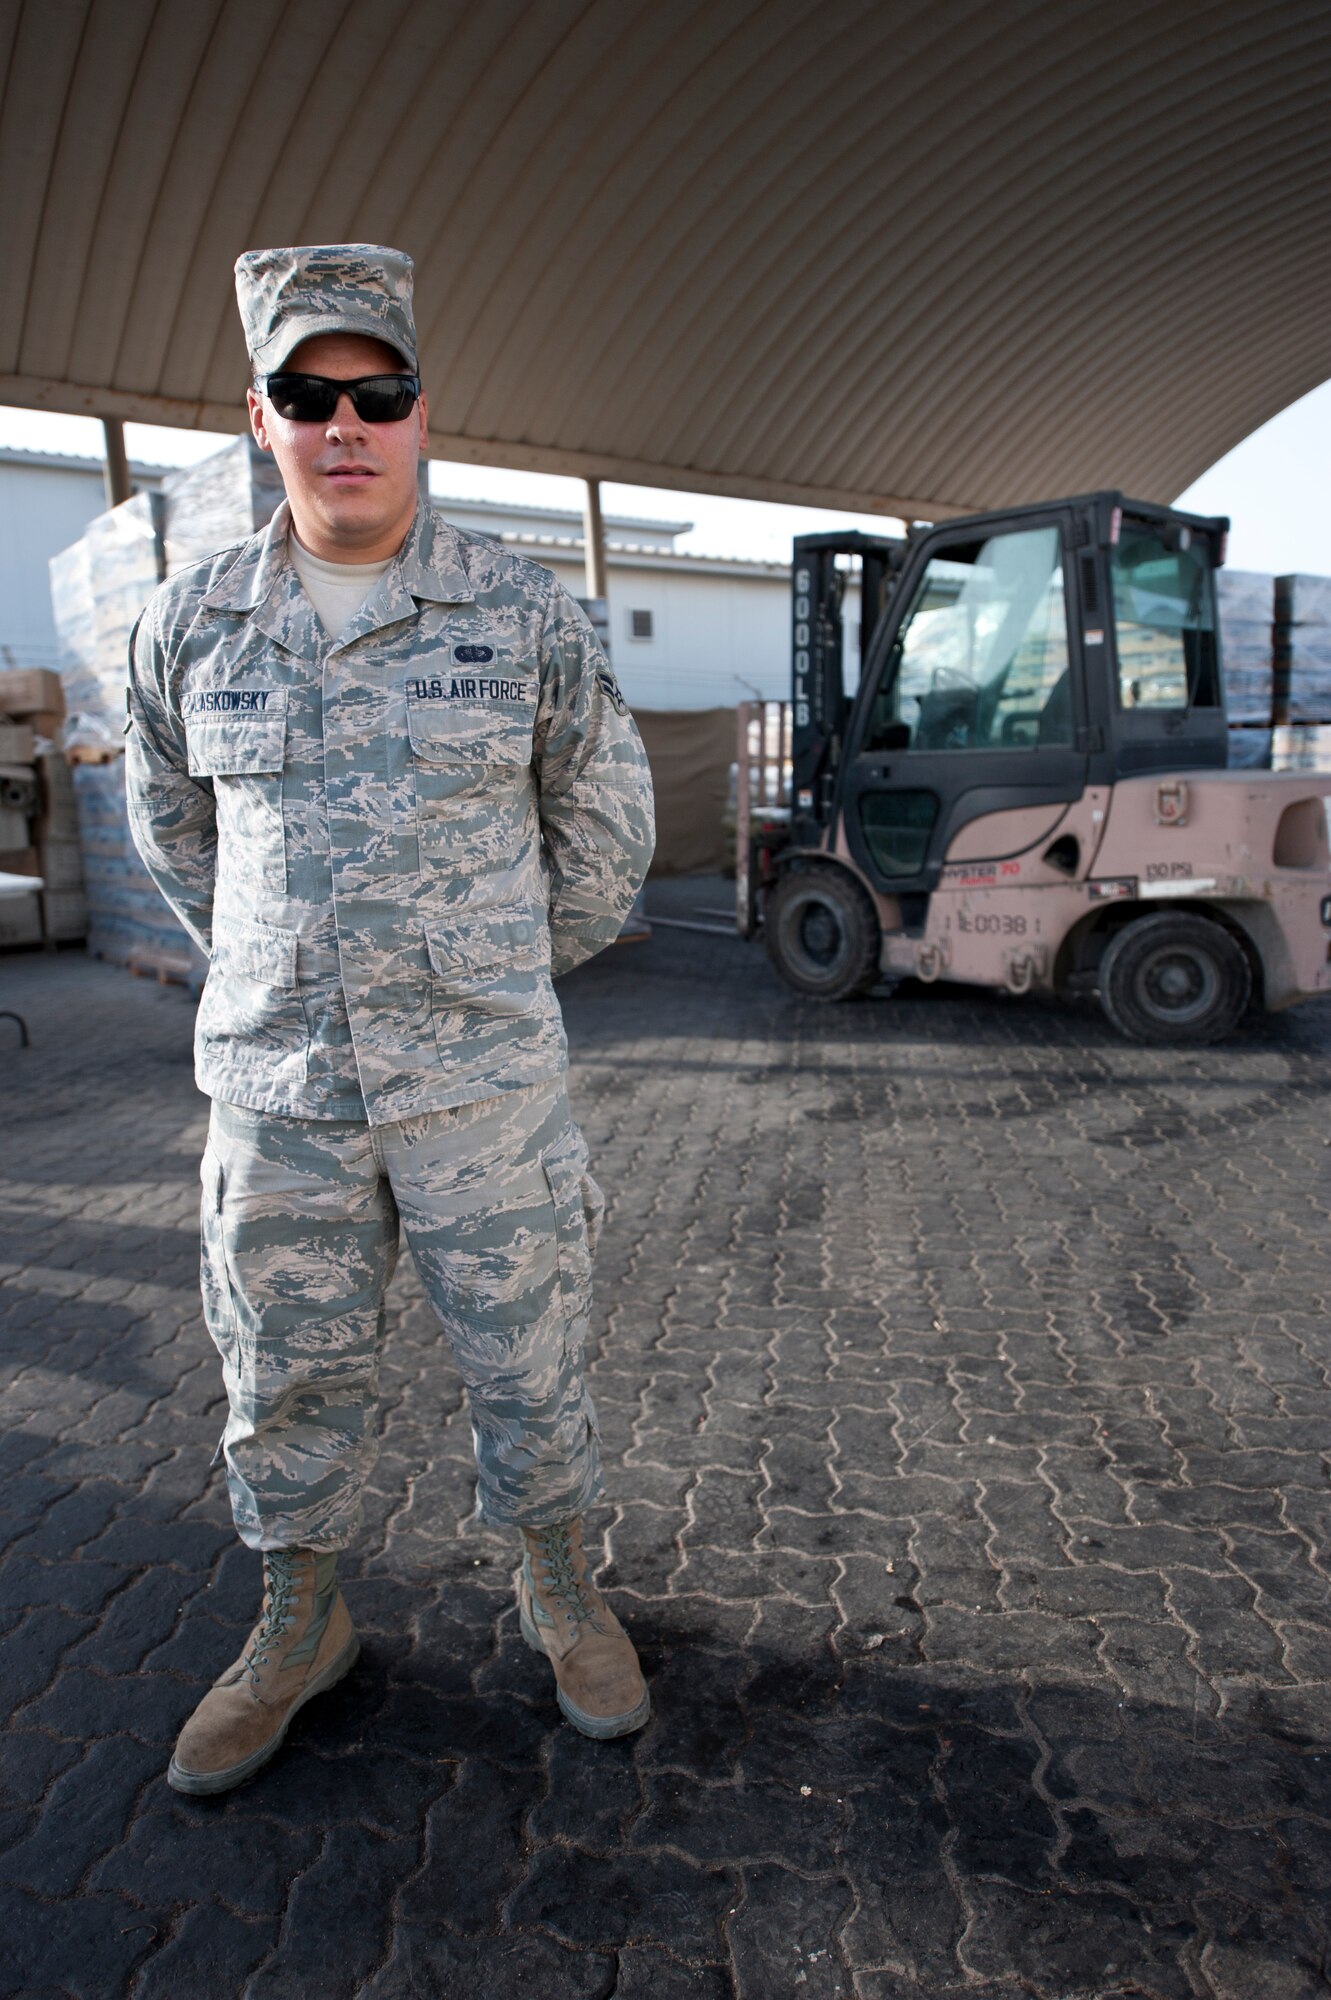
(300, 1237)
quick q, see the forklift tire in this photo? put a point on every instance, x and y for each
(822, 933)
(1174, 977)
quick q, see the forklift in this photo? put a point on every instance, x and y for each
(1028, 788)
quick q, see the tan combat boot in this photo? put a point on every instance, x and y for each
(563, 1615)
(301, 1645)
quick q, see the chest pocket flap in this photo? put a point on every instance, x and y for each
(471, 732)
(235, 740)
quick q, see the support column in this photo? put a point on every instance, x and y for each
(593, 536)
(115, 463)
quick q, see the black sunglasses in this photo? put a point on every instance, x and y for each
(312, 399)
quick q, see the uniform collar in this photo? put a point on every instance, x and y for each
(250, 579)
(261, 583)
(430, 561)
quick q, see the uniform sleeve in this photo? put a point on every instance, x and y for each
(595, 789)
(171, 815)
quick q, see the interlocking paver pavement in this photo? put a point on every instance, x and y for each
(963, 1374)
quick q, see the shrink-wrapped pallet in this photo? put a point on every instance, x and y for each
(125, 911)
(1303, 600)
(126, 549)
(76, 630)
(1249, 749)
(1301, 746)
(1246, 604)
(219, 501)
(98, 588)
(1303, 649)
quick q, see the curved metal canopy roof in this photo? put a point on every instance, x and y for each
(899, 257)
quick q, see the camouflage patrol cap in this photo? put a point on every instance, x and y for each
(286, 296)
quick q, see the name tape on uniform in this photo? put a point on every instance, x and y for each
(232, 701)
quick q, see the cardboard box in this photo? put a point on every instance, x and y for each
(18, 743)
(19, 861)
(60, 864)
(32, 691)
(20, 920)
(20, 792)
(46, 725)
(64, 915)
(59, 816)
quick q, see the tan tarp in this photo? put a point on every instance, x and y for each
(690, 751)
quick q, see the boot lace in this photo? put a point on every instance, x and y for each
(280, 1585)
(562, 1581)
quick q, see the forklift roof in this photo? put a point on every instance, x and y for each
(1103, 505)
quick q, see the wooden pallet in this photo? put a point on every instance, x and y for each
(168, 968)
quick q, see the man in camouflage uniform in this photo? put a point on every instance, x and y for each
(382, 772)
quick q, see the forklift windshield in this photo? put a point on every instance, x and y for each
(1164, 618)
(981, 658)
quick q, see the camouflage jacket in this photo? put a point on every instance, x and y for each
(390, 842)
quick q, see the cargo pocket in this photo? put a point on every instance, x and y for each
(252, 1017)
(578, 1206)
(495, 962)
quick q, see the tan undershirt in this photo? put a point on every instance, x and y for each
(336, 590)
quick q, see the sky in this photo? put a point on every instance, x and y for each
(1273, 487)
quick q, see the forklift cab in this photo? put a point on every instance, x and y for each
(1020, 657)
(1028, 789)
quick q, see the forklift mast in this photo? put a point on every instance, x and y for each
(820, 704)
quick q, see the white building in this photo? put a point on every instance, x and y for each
(46, 501)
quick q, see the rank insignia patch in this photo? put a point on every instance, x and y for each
(610, 689)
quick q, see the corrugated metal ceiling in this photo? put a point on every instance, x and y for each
(906, 257)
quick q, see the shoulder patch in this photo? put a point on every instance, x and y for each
(610, 689)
